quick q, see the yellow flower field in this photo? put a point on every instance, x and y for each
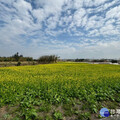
(59, 84)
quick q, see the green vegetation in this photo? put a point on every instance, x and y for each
(57, 115)
(19, 60)
(15, 57)
(58, 91)
(48, 59)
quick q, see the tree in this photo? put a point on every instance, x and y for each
(16, 56)
(48, 59)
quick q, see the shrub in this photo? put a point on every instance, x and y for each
(18, 64)
(48, 59)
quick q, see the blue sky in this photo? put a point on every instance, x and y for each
(67, 28)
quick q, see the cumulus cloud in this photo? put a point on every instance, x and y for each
(78, 16)
(59, 25)
(114, 12)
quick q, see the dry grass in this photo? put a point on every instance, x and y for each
(6, 64)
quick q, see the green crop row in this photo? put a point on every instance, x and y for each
(44, 88)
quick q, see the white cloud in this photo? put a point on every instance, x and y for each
(94, 22)
(78, 4)
(99, 2)
(84, 21)
(109, 29)
(90, 3)
(78, 16)
(114, 12)
(51, 7)
(52, 22)
(39, 15)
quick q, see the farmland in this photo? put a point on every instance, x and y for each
(58, 91)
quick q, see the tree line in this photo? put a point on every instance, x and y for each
(97, 60)
(15, 58)
(19, 58)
